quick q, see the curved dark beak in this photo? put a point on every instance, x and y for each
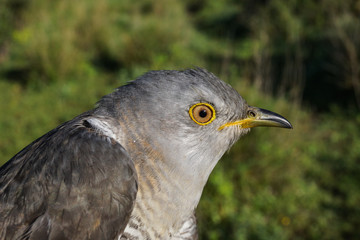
(257, 117)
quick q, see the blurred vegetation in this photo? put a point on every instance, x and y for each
(298, 58)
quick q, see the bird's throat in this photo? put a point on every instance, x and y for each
(167, 195)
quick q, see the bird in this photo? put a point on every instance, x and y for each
(133, 167)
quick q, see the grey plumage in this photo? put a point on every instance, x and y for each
(56, 187)
(134, 167)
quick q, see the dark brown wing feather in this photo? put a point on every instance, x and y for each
(72, 183)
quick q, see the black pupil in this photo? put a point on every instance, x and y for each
(203, 113)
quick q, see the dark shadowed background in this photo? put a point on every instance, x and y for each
(300, 58)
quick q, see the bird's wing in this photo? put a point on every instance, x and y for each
(72, 183)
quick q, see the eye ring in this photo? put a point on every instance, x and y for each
(202, 113)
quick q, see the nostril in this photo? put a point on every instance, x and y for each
(251, 113)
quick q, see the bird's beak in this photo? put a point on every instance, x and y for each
(257, 117)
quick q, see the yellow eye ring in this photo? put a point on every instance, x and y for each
(202, 113)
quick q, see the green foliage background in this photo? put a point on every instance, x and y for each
(298, 58)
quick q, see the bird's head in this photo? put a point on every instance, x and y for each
(191, 117)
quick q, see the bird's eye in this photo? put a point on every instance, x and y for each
(202, 113)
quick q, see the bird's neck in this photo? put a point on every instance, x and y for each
(170, 179)
(167, 195)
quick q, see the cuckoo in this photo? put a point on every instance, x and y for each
(134, 167)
